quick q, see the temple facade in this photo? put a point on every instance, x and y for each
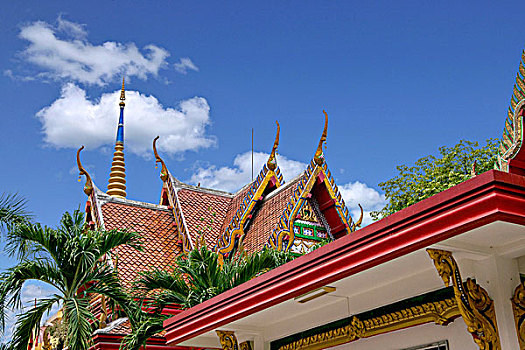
(445, 273)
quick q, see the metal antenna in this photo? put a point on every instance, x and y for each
(252, 154)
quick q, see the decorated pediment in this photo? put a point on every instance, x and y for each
(318, 189)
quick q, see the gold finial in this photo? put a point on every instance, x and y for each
(158, 159)
(272, 162)
(88, 187)
(319, 156)
(122, 95)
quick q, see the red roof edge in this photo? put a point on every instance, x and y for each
(491, 196)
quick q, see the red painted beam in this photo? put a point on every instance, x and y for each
(492, 196)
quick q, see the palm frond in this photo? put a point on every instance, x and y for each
(144, 325)
(12, 281)
(78, 317)
(12, 211)
(28, 321)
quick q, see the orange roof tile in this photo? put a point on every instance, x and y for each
(158, 234)
(201, 209)
(266, 217)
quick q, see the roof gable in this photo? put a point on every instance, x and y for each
(266, 181)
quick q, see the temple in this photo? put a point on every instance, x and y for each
(445, 273)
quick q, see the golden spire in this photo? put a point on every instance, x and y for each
(319, 156)
(158, 159)
(272, 162)
(88, 187)
(122, 95)
(117, 177)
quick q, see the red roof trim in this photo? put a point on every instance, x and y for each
(486, 198)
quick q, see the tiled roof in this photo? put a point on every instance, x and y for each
(158, 234)
(202, 209)
(266, 217)
(233, 207)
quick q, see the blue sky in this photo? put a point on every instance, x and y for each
(398, 80)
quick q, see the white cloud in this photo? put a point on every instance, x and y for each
(73, 120)
(63, 52)
(184, 64)
(355, 193)
(75, 30)
(232, 178)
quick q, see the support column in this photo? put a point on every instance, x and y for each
(475, 304)
(500, 276)
(518, 305)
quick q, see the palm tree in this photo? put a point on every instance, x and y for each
(70, 258)
(12, 211)
(196, 277)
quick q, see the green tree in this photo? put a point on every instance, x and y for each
(431, 174)
(70, 258)
(196, 277)
(12, 211)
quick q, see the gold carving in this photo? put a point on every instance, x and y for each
(518, 307)
(88, 187)
(272, 162)
(307, 214)
(228, 340)
(319, 156)
(474, 303)
(158, 159)
(441, 312)
(512, 139)
(103, 313)
(245, 345)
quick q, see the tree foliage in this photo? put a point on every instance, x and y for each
(196, 277)
(69, 258)
(12, 211)
(433, 174)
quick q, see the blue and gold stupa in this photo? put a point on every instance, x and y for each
(117, 177)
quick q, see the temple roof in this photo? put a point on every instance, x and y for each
(158, 232)
(267, 217)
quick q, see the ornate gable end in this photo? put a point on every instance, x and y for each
(269, 179)
(317, 193)
(511, 156)
(93, 212)
(169, 197)
(198, 212)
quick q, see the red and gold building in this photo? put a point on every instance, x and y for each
(445, 273)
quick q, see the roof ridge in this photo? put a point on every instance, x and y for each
(105, 198)
(254, 193)
(180, 184)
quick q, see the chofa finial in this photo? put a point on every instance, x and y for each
(319, 156)
(158, 159)
(272, 161)
(88, 187)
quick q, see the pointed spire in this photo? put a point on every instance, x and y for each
(272, 162)
(319, 155)
(122, 94)
(117, 177)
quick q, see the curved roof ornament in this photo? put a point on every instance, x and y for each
(319, 155)
(88, 187)
(158, 159)
(272, 162)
